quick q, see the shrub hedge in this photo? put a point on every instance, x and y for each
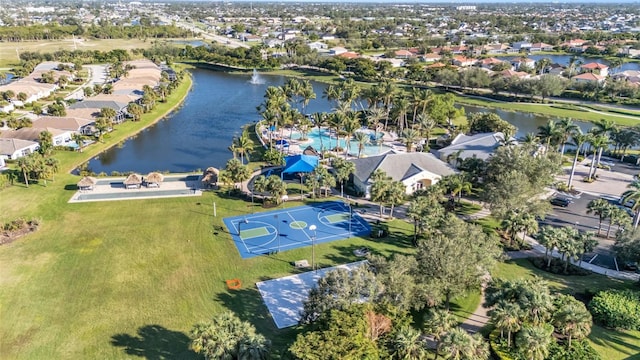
(617, 309)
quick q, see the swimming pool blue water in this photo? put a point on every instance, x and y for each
(329, 142)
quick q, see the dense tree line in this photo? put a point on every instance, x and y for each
(57, 32)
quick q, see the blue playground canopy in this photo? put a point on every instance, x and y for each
(300, 164)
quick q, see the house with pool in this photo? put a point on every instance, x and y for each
(416, 170)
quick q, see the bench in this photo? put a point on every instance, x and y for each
(301, 264)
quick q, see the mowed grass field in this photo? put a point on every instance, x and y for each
(9, 50)
(105, 279)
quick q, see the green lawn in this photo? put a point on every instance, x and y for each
(548, 110)
(522, 268)
(614, 345)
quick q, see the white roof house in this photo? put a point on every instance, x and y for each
(481, 146)
(12, 149)
(415, 170)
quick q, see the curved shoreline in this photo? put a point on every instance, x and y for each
(136, 131)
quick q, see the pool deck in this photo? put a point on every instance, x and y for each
(296, 146)
(113, 189)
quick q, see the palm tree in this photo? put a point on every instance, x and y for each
(409, 136)
(438, 322)
(534, 341)
(343, 170)
(633, 194)
(603, 127)
(420, 100)
(401, 107)
(244, 146)
(24, 164)
(549, 238)
(254, 347)
(79, 139)
(530, 139)
(601, 208)
(567, 129)
(598, 142)
(457, 344)
(350, 126)
(307, 94)
(587, 243)
(426, 125)
(388, 89)
(507, 316)
(319, 119)
(336, 120)
(550, 133)
(407, 344)
(573, 319)
(617, 216)
(362, 139)
(225, 336)
(578, 140)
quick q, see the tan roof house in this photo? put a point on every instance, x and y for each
(589, 77)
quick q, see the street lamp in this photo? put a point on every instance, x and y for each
(313, 251)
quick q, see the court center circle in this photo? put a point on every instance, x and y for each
(298, 225)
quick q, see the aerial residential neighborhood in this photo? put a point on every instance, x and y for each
(319, 180)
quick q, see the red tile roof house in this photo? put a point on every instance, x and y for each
(518, 74)
(596, 68)
(349, 55)
(489, 63)
(463, 61)
(403, 54)
(574, 42)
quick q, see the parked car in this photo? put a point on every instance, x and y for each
(560, 201)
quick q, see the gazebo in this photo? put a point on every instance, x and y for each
(210, 177)
(299, 164)
(133, 181)
(154, 179)
(87, 183)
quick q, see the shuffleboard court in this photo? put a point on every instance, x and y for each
(285, 229)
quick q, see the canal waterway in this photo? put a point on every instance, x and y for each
(198, 134)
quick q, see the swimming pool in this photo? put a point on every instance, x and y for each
(328, 142)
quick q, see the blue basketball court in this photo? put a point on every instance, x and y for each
(286, 229)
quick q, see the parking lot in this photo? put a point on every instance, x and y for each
(575, 215)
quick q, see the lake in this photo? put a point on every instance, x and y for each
(564, 61)
(198, 134)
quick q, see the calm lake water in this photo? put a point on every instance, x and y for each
(198, 134)
(564, 61)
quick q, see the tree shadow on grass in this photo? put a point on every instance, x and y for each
(155, 342)
(619, 340)
(247, 304)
